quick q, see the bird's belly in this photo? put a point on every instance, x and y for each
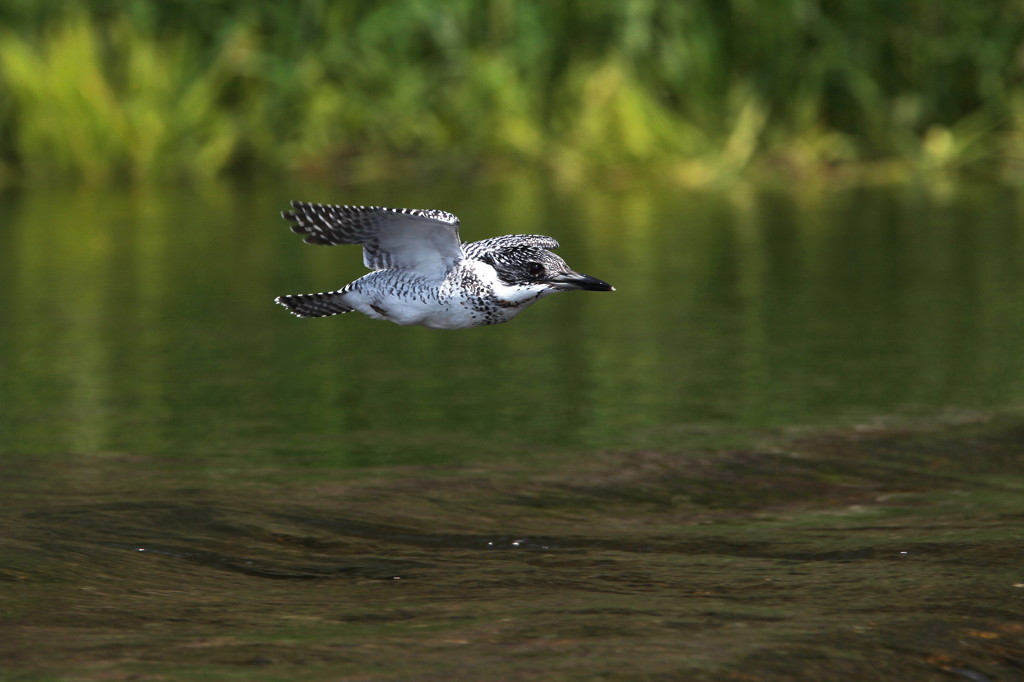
(407, 312)
(454, 317)
(397, 310)
(395, 297)
(460, 313)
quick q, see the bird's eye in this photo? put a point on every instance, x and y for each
(534, 269)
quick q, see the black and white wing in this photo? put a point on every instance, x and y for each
(392, 238)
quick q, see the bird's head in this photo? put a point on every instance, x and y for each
(540, 270)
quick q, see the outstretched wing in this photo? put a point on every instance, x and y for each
(509, 241)
(392, 238)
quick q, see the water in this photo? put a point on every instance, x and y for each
(788, 447)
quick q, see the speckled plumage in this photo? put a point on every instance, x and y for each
(423, 274)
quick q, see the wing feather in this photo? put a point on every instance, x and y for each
(392, 238)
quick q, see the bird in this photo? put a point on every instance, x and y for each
(422, 272)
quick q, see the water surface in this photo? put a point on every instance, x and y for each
(788, 447)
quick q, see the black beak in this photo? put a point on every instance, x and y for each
(575, 280)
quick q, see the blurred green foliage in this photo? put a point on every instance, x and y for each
(99, 90)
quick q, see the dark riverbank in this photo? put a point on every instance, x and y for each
(888, 553)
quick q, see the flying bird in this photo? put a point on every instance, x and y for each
(422, 272)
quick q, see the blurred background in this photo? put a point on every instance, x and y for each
(810, 210)
(689, 92)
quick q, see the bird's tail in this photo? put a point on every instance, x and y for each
(315, 305)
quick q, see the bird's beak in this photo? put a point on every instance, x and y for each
(576, 280)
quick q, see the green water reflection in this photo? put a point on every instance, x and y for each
(143, 322)
(788, 447)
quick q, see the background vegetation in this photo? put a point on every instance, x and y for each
(98, 90)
